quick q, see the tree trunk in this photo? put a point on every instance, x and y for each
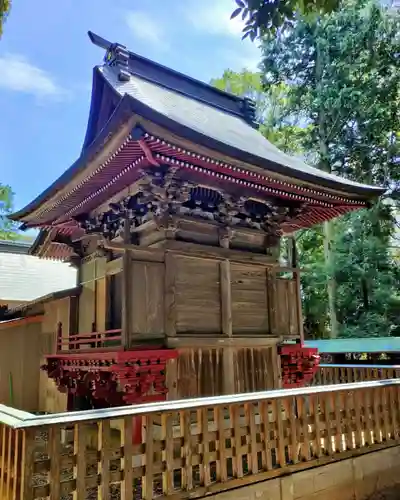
(324, 164)
(331, 283)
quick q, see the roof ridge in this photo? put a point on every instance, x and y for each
(129, 63)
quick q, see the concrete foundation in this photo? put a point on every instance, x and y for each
(352, 479)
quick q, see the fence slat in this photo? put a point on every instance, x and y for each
(187, 448)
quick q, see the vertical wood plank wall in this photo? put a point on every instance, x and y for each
(203, 296)
(59, 311)
(93, 297)
(19, 363)
(202, 371)
(185, 295)
(147, 293)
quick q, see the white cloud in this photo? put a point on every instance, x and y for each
(244, 59)
(146, 28)
(19, 75)
(213, 16)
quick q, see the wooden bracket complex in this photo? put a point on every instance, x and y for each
(114, 378)
(298, 364)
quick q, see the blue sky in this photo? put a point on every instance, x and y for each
(46, 62)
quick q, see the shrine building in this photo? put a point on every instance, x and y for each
(173, 215)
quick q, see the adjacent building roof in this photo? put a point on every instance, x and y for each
(364, 345)
(10, 246)
(26, 277)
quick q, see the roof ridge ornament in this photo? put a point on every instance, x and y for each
(249, 108)
(117, 55)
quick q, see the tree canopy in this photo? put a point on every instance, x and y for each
(8, 229)
(5, 6)
(260, 16)
(339, 74)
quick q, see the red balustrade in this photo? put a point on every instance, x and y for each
(108, 340)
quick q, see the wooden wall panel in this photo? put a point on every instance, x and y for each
(88, 271)
(101, 304)
(203, 371)
(19, 364)
(87, 303)
(50, 398)
(249, 299)
(200, 373)
(256, 369)
(197, 296)
(286, 311)
(147, 296)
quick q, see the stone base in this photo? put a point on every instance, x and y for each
(353, 479)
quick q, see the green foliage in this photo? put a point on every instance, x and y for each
(272, 105)
(310, 248)
(8, 230)
(5, 6)
(342, 72)
(368, 278)
(273, 15)
(331, 92)
(344, 76)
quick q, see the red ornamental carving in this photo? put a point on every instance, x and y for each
(117, 378)
(298, 365)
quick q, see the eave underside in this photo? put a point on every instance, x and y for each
(125, 166)
(130, 161)
(129, 145)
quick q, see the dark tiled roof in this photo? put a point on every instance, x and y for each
(217, 124)
(189, 109)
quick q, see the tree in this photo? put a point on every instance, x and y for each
(342, 75)
(266, 15)
(366, 274)
(4, 10)
(8, 229)
(275, 123)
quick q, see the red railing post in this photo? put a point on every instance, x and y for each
(59, 337)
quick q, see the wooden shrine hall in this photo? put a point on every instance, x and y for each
(173, 215)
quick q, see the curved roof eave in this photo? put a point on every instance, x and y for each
(117, 117)
(129, 104)
(196, 137)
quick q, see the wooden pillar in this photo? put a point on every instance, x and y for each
(276, 367)
(169, 296)
(271, 284)
(228, 354)
(171, 376)
(226, 298)
(296, 273)
(299, 306)
(126, 290)
(228, 363)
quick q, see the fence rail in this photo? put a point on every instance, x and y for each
(328, 374)
(193, 447)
